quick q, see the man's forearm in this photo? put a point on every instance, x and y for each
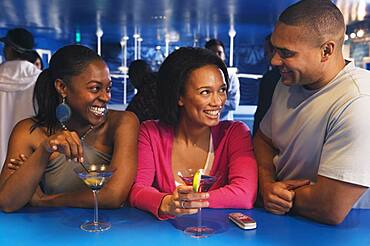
(327, 201)
(265, 175)
(311, 205)
(264, 152)
(308, 204)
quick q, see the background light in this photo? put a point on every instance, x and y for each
(360, 33)
(99, 33)
(78, 37)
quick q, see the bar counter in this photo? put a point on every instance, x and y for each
(60, 226)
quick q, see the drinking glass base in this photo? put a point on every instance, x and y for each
(199, 231)
(90, 226)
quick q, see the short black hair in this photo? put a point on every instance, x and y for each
(173, 74)
(213, 42)
(137, 70)
(322, 18)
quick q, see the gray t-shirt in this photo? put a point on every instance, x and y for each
(323, 132)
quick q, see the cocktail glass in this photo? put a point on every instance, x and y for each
(206, 181)
(95, 178)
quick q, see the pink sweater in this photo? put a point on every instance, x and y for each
(234, 166)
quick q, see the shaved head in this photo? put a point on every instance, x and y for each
(321, 20)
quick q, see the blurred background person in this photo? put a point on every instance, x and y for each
(266, 86)
(144, 104)
(17, 79)
(36, 59)
(233, 92)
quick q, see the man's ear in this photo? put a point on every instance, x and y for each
(327, 49)
(61, 87)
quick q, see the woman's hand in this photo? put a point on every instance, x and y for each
(14, 164)
(183, 201)
(67, 143)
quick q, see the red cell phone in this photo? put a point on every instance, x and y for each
(243, 221)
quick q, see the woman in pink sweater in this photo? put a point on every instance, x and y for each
(192, 91)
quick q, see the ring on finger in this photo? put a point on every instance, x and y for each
(182, 204)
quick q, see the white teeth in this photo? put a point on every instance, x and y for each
(99, 111)
(212, 112)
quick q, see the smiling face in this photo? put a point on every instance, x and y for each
(89, 93)
(298, 57)
(204, 96)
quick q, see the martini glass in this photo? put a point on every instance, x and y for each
(95, 178)
(206, 181)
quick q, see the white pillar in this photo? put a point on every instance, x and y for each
(167, 47)
(124, 66)
(139, 47)
(136, 37)
(232, 34)
(99, 34)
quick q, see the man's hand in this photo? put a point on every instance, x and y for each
(278, 196)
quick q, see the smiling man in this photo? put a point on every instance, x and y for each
(313, 144)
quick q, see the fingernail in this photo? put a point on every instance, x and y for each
(12, 159)
(69, 160)
(22, 155)
(81, 159)
(75, 159)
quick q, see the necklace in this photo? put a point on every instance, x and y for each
(86, 133)
(83, 136)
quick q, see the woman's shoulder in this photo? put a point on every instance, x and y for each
(120, 125)
(156, 129)
(156, 125)
(151, 124)
(117, 118)
(230, 127)
(27, 124)
(27, 130)
(232, 124)
(227, 132)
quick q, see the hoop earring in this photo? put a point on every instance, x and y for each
(63, 112)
